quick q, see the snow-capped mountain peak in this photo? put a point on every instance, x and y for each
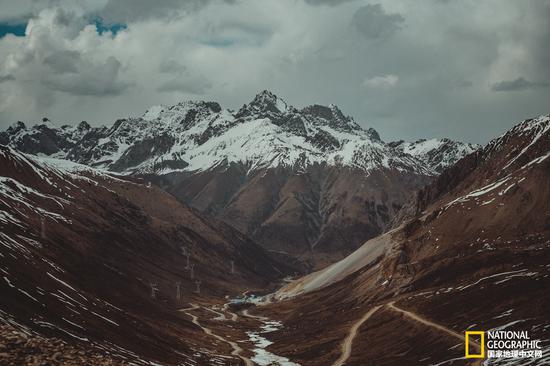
(264, 105)
(183, 113)
(266, 99)
(331, 116)
(16, 127)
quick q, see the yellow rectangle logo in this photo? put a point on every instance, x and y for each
(481, 344)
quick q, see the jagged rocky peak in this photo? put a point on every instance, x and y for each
(324, 112)
(268, 100)
(264, 105)
(373, 134)
(268, 105)
(16, 127)
(331, 116)
(45, 123)
(185, 113)
(157, 111)
(83, 126)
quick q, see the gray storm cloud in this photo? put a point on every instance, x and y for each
(327, 2)
(193, 85)
(517, 84)
(116, 11)
(374, 23)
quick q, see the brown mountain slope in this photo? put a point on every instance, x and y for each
(474, 258)
(320, 213)
(82, 252)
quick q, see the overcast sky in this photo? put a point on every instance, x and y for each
(465, 69)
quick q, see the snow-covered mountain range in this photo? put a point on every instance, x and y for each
(295, 180)
(266, 133)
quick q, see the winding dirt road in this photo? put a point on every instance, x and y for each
(425, 321)
(234, 317)
(348, 342)
(221, 316)
(418, 318)
(236, 349)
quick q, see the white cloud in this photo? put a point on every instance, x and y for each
(62, 57)
(63, 53)
(381, 82)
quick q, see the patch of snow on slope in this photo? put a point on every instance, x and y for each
(538, 127)
(281, 105)
(421, 148)
(479, 192)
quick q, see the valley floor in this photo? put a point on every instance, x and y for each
(415, 328)
(247, 334)
(421, 327)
